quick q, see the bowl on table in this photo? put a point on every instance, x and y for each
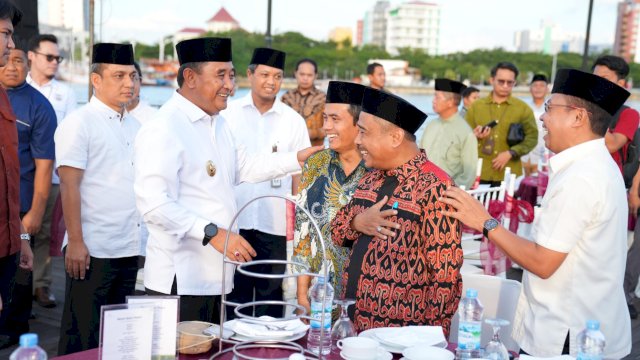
(192, 339)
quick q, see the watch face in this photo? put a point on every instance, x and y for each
(210, 230)
(491, 224)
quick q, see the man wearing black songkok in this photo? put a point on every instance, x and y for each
(574, 267)
(94, 152)
(187, 163)
(404, 267)
(264, 124)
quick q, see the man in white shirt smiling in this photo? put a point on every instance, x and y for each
(264, 124)
(575, 266)
(187, 164)
(94, 149)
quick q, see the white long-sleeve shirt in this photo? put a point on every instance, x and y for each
(178, 197)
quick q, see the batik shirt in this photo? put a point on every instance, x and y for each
(324, 189)
(414, 277)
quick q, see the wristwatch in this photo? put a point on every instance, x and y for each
(25, 237)
(489, 225)
(210, 231)
(514, 154)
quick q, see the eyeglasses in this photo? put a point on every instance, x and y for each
(548, 105)
(508, 83)
(51, 58)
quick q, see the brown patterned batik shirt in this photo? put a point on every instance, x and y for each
(414, 277)
(310, 106)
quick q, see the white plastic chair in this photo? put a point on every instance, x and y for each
(500, 298)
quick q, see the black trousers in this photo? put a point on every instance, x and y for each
(565, 348)
(267, 246)
(8, 267)
(194, 307)
(632, 270)
(107, 282)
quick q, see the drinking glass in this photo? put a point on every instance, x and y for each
(495, 349)
(343, 328)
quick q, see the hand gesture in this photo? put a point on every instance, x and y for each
(238, 249)
(304, 154)
(501, 160)
(373, 222)
(481, 132)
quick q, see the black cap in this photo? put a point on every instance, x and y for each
(392, 109)
(595, 89)
(539, 77)
(269, 57)
(204, 50)
(341, 92)
(109, 53)
(451, 86)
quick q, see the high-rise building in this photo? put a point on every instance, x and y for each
(549, 38)
(374, 24)
(413, 24)
(359, 30)
(627, 40)
(70, 14)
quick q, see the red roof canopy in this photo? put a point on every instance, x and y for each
(223, 16)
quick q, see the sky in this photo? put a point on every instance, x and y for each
(465, 24)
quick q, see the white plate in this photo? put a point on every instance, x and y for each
(269, 338)
(382, 355)
(427, 352)
(371, 333)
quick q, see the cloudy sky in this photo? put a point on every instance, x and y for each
(465, 24)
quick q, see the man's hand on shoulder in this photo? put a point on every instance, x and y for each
(304, 154)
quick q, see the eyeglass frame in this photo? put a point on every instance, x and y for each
(548, 105)
(50, 58)
(503, 82)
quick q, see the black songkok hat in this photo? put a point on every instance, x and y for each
(392, 109)
(109, 53)
(451, 86)
(539, 77)
(269, 57)
(204, 50)
(595, 89)
(340, 92)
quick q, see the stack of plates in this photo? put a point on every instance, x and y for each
(396, 339)
(268, 330)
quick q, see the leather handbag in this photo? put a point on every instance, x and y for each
(515, 135)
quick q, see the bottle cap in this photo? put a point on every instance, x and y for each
(472, 293)
(593, 324)
(28, 340)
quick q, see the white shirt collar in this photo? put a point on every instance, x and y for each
(33, 83)
(247, 100)
(105, 109)
(191, 110)
(564, 158)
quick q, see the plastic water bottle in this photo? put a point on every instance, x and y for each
(470, 326)
(591, 342)
(29, 349)
(319, 310)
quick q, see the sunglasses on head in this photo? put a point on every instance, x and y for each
(51, 58)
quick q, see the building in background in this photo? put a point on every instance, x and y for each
(412, 24)
(374, 24)
(626, 41)
(549, 38)
(340, 34)
(358, 39)
(222, 21)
